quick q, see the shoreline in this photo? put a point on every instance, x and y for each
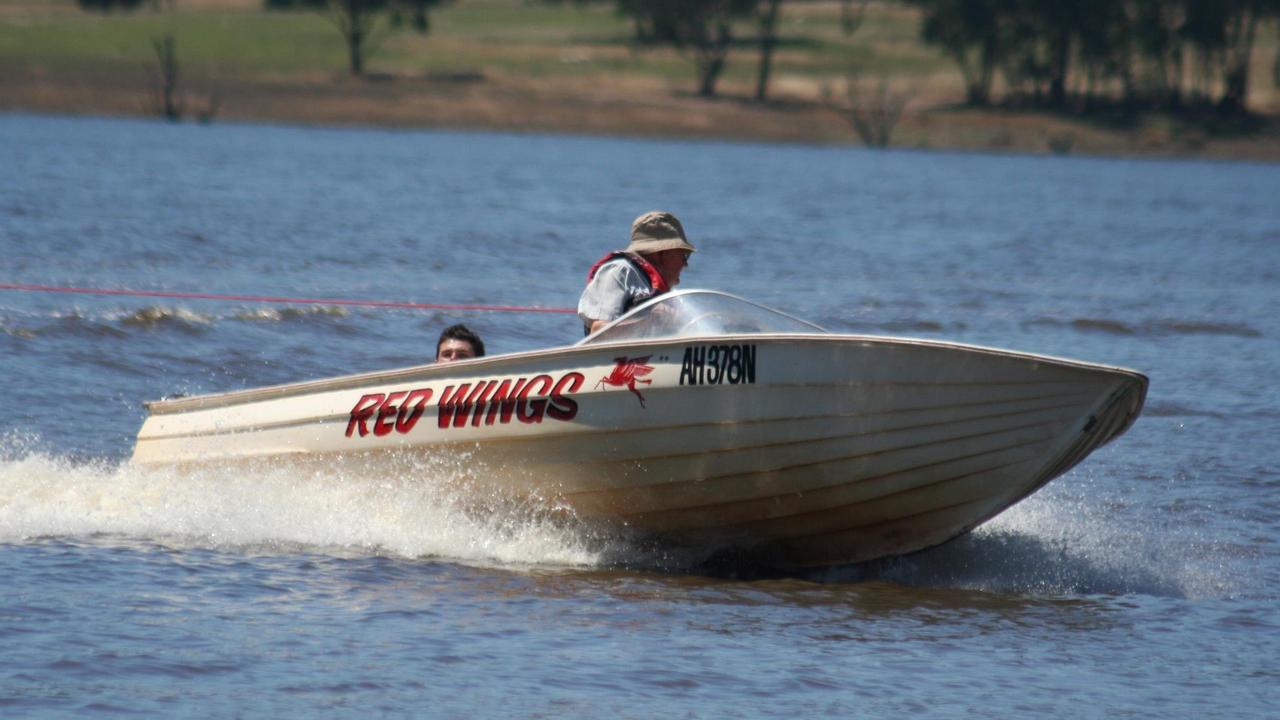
(480, 103)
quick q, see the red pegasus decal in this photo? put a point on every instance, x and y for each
(627, 372)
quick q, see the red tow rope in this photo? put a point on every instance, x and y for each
(27, 287)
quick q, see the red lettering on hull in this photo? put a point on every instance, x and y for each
(406, 421)
(365, 407)
(528, 400)
(561, 407)
(531, 411)
(387, 410)
(504, 402)
(452, 401)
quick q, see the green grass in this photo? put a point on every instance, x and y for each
(258, 43)
(500, 36)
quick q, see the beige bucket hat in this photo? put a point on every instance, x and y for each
(657, 231)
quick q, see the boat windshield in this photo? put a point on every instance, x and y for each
(689, 313)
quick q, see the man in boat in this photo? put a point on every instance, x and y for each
(458, 342)
(649, 266)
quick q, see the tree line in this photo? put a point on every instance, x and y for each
(1057, 54)
(1153, 53)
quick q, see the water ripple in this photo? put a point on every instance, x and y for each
(1151, 328)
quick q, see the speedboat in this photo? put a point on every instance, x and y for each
(700, 419)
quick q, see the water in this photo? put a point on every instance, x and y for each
(1142, 584)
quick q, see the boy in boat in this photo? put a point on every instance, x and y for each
(649, 266)
(458, 342)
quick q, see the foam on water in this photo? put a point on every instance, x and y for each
(1053, 543)
(412, 515)
(270, 314)
(120, 321)
(1050, 543)
(154, 316)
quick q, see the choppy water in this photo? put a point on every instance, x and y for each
(1142, 584)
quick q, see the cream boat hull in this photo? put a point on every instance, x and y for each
(800, 450)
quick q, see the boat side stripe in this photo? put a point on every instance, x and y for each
(343, 418)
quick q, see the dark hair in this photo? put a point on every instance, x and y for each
(463, 333)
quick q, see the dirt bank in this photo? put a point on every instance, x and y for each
(633, 107)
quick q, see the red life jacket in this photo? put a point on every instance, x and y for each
(657, 285)
(646, 268)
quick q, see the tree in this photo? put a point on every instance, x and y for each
(1061, 23)
(1039, 45)
(970, 31)
(768, 17)
(1153, 30)
(356, 20)
(1275, 68)
(702, 27)
(1241, 31)
(768, 12)
(360, 21)
(1224, 33)
(1105, 46)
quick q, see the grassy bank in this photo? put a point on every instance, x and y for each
(505, 64)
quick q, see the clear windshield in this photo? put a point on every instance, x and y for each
(689, 313)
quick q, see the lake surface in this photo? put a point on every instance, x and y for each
(1144, 583)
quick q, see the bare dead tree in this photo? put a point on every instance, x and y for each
(168, 102)
(170, 95)
(872, 107)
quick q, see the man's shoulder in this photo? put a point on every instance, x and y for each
(620, 266)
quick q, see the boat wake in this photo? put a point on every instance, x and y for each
(416, 514)
(1051, 544)
(1045, 545)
